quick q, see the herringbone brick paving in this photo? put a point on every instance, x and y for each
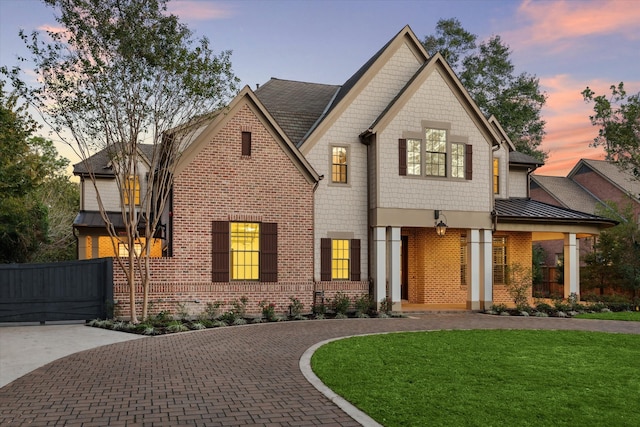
(246, 375)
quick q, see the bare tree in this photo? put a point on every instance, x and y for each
(120, 75)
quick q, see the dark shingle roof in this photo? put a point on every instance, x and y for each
(93, 219)
(295, 106)
(567, 192)
(611, 171)
(99, 163)
(527, 210)
(518, 158)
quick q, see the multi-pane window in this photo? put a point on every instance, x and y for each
(414, 157)
(245, 250)
(123, 249)
(435, 152)
(499, 260)
(463, 259)
(458, 160)
(496, 176)
(340, 259)
(132, 188)
(339, 165)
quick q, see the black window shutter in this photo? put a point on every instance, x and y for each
(269, 252)
(402, 156)
(220, 251)
(325, 259)
(355, 260)
(468, 161)
(246, 143)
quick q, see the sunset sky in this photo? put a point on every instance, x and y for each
(568, 45)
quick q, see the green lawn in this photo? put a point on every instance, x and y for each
(487, 378)
(632, 316)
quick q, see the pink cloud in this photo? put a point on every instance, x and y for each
(569, 130)
(555, 23)
(199, 10)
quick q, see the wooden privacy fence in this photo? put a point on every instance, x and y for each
(549, 288)
(74, 290)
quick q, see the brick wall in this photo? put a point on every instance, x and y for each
(222, 185)
(434, 267)
(519, 249)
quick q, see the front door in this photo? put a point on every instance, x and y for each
(404, 267)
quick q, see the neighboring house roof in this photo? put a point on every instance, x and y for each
(518, 158)
(296, 106)
(566, 192)
(93, 219)
(612, 173)
(527, 210)
(100, 163)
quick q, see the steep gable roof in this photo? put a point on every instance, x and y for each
(436, 62)
(358, 81)
(567, 192)
(247, 96)
(610, 171)
(296, 106)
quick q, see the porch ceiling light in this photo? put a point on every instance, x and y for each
(441, 226)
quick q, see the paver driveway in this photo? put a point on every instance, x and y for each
(246, 375)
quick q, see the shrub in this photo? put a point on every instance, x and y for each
(341, 303)
(211, 310)
(499, 308)
(319, 310)
(561, 306)
(519, 280)
(295, 308)
(182, 311)
(363, 305)
(386, 305)
(177, 326)
(268, 310)
(543, 307)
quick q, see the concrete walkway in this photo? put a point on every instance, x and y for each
(246, 375)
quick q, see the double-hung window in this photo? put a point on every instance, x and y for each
(496, 176)
(245, 250)
(339, 259)
(499, 260)
(132, 189)
(434, 152)
(339, 165)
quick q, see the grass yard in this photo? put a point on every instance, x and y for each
(487, 378)
(632, 316)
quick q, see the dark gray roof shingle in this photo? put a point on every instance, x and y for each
(99, 163)
(567, 192)
(295, 106)
(516, 157)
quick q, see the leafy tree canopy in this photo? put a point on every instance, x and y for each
(618, 120)
(487, 72)
(28, 167)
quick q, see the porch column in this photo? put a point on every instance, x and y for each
(473, 274)
(393, 239)
(486, 239)
(570, 265)
(379, 270)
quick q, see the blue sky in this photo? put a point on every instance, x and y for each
(567, 44)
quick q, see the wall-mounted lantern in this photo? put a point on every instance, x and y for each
(441, 226)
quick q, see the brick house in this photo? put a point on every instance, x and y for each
(355, 180)
(586, 188)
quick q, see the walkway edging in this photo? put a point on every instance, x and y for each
(342, 403)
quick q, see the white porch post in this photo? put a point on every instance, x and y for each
(393, 238)
(570, 265)
(380, 264)
(487, 268)
(473, 274)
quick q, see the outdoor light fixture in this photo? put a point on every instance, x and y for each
(441, 226)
